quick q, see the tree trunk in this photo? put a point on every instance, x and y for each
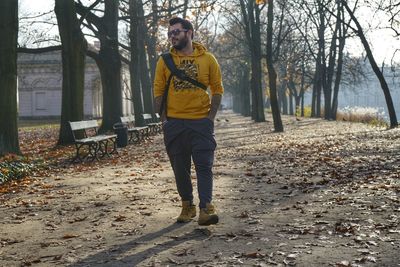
(151, 40)
(110, 66)
(297, 101)
(283, 98)
(257, 70)
(323, 88)
(135, 63)
(342, 42)
(251, 18)
(291, 106)
(317, 83)
(73, 61)
(318, 103)
(276, 115)
(245, 93)
(8, 77)
(292, 96)
(144, 69)
(378, 73)
(331, 68)
(322, 61)
(108, 59)
(303, 71)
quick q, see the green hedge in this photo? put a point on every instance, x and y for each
(16, 169)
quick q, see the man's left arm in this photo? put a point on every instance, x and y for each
(216, 87)
(215, 103)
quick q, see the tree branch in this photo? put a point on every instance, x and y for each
(38, 50)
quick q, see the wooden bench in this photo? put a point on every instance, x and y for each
(136, 134)
(154, 124)
(97, 144)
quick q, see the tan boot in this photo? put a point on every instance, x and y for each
(208, 215)
(188, 212)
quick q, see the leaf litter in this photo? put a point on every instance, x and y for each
(320, 188)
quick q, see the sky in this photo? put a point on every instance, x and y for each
(36, 5)
(382, 42)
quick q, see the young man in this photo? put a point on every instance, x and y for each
(188, 119)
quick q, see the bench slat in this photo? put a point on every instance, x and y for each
(82, 125)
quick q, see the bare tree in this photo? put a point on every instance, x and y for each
(73, 55)
(8, 77)
(251, 18)
(134, 66)
(234, 56)
(278, 126)
(74, 48)
(392, 8)
(108, 58)
(342, 33)
(374, 65)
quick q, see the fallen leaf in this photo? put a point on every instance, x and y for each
(343, 264)
(120, 218)
(67, 236)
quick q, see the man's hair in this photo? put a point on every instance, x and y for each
(187, 25)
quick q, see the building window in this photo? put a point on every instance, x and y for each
(40, 101)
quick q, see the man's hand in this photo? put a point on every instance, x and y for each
(157, 106)
(215, 102)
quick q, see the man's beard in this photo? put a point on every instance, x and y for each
(181, 44)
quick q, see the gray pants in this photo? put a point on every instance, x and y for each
(186, 140)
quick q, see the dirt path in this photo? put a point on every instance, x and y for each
(320, 194)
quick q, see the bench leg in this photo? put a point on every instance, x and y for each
(140, 135)
(114, 148)
(103, 147)
(77, 154)
(135, 136)
(93, 148)
(92, 152)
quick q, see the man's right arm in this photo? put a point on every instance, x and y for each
(157, 106)
(159, 87)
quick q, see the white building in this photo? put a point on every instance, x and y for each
(40, 87)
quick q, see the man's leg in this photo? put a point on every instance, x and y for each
(181, 164)
(203, 146)
(203, 161)
(175, 138)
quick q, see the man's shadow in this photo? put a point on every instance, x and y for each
(111, 257)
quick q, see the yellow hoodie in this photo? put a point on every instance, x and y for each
(185, 100)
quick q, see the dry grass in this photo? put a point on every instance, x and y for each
(34, 123)
(366, 115)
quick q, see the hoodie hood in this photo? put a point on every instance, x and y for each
(198, 50)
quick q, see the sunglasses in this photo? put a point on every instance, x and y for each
(175, 32)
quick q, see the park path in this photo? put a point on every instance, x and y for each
(320, 194)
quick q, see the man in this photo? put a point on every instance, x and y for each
(188, 119)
